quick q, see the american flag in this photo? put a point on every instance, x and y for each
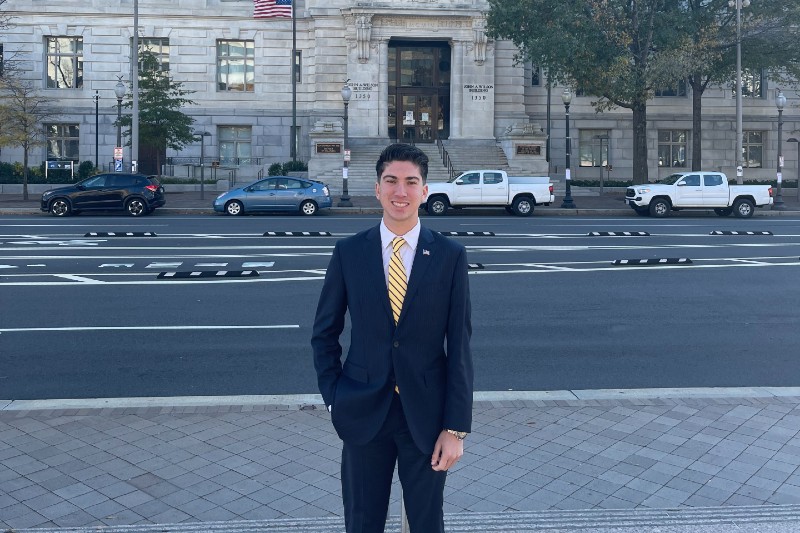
(272, 8)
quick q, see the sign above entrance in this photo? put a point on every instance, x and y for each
(476, 92)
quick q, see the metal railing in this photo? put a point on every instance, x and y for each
(224, 162)
(446, 161)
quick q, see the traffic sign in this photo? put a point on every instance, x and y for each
(118, 153)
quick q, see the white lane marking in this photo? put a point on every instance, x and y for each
(164, 265)
(71, 242)
(148, 328)
(8, 266)
(220, 265)
(215, 281)
(82, 279)
(268, 264)
(117, 265)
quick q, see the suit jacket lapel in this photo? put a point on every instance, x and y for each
(426, 250)
(373, 267)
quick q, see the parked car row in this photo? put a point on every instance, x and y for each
(136, 194)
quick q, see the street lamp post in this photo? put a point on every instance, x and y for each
(780, 101)
(119, 90)
(96, 99)
(566, 97)
(347, 92)
(739, 4)
(202, 135)
(796, 140)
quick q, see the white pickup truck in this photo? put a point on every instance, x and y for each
(697, 190)
(490, 188)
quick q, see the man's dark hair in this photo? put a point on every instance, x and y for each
(403, 152)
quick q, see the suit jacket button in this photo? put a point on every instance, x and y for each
(396, 344)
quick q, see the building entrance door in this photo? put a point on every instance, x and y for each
(416, 112)
(419, 91)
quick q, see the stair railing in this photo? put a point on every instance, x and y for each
(446, 161)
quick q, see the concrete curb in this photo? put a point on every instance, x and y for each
(298, 401)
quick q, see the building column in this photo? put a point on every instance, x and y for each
(383, 88)
(456, 89)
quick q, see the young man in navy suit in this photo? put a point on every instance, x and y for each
(403, 395)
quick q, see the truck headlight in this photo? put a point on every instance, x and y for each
(642, 190)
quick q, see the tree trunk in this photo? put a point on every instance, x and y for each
(697, 127)
(640, 174)
(25, 173)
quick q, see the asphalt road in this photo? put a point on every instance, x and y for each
(86, 316)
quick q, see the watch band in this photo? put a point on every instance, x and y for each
(460, 435)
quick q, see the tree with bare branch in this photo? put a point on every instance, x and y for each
(23, 114)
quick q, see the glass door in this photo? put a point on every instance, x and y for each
(417, 113)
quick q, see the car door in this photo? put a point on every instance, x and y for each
(468, 188)
(288, 193)
(688, 191)
(715, 193)
(115, 190)
(260, 196)
(495, 189)
(90, 193)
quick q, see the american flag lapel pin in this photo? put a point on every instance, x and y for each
(425, 252)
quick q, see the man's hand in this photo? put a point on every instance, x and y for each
(447, 451)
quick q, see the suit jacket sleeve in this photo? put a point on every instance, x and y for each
(458, 399)
(328, 326)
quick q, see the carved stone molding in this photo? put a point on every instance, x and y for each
(363, 36)
(479, 39)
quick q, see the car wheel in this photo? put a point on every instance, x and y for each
(60, 207)
(659, 208)
(437, 206)
(308, 208)
(723, 212)
(522, 206)
(743, 208)
(136, 207)
(234, 207)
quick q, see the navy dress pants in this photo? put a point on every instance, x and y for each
(367, 480)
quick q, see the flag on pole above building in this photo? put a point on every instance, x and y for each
(272, 8)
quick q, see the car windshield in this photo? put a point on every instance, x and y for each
(671, 179)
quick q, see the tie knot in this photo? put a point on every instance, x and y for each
(397, 243)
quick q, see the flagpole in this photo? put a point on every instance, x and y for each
(293, 144)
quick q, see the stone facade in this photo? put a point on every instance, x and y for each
(491, 98)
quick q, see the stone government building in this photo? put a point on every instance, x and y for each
(420, 71)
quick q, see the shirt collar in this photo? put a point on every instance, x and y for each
(411, 238)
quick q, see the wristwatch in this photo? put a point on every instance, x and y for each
(460, 435)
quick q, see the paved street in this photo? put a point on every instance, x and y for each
(566, 461)
(606, 461)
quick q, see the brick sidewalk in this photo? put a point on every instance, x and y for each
(91, 468)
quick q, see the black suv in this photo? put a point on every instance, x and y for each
(137, 194)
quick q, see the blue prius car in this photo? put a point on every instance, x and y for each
(276, 193)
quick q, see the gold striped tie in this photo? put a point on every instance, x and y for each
(397, 278)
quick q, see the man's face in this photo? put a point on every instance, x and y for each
(401, 192)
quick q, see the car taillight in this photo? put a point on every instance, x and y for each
(551, 188)
(325, 191)
(770, 192)
(153, 188)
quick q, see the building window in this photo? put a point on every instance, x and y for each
(752, 84)
(298, 66)
(678, 89)
(64, 62)
(235, 65)
(672, 148)
(536, 76)
(753, 147)
(62, 141)
(593, 147)
(235, 145)
(158, 47)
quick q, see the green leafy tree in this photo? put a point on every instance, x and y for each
(617, 51)
(162, 124)
(23, 113)
(770, 39)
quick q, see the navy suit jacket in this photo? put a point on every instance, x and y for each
(427, 354)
